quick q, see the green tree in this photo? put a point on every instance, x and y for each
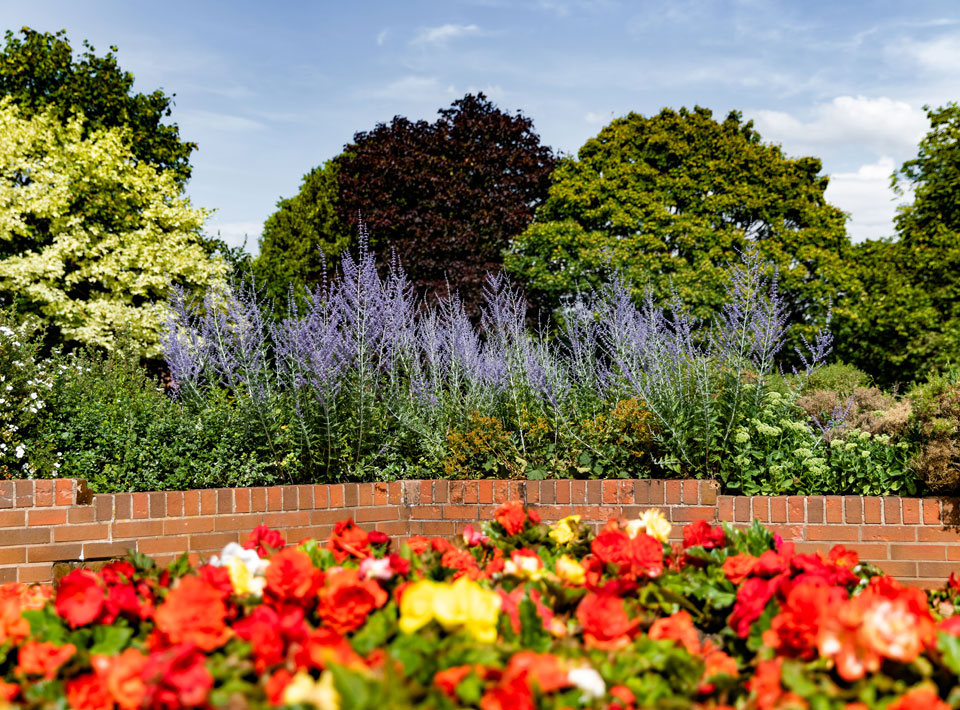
(39, 71)
(91, 237)
(902, 321)
(669, 200)
(304, 233)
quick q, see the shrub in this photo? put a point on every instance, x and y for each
(935, 425)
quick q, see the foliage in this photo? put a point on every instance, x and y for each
(517, 614)
(446, 196)
(91, 238)
(668, 201)
(303, 237)
(40, 73)
(935, 424)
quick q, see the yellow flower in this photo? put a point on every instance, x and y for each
(304, 690)
(524, 566)
(570, 571)
(656, 525)
(562, 532)
(416, 605)
(244, 581)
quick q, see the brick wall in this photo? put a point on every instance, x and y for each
(48, 522)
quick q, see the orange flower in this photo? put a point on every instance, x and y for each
(122, 677)
(449, 678)
(43, 658)
(511, 516)
(677, 627)
(462, 561)
(918, 699)
(605, 622)
(291, 576)
(16, 598)
(767, 690)
(738, 567)
(86, 692)
(716, 663)
(794, 631)
(348, 541)
(194, 612)
(638, 556)
(542, 670)
(346, 600)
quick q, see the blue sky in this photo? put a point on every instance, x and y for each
(269, 90)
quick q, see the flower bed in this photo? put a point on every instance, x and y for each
(515, 615)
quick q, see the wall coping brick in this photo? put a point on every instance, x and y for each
(48, 523)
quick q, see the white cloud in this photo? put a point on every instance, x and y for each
(883, 124)
(415, 88)
(867, 197)
(940, 55)
(443, 34)
(233, 233)
(595, 118)
(193, 120)
(382, 37)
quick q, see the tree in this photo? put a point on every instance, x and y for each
(40, 72)
(447, 196)
(91, 237)
(671, 199)
(303, 235)
(904, 318)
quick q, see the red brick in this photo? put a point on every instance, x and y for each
(13, 518)
(641, 491)
(932, 534)
(853, 509)
(708, 492)
(554, 512)
(173, 544)
(725, 508)
(891, 510)
(897, 568)
(834, 533)
(138, 529)
(35, 574)
(953, 552)
(426, 492)
(13, 555)
(241, 500)
(65, 492)
(208, 502)
(761, 509)
(625, 490)
(531, 492)
(290, 501)
(589, 492)
(441, 492)
(258, 500)
(910, 509)
(789, 533)
(191, 502)
(23, 492)
(931, 511)
(380, 494)
(7, 494)
(888, 533)
(212, 541)
(326, 517)
(937, 569)
(674, 492)
(610, 492)
(870, 551)
(596, 513)
(224, 501)
(485, 492)
(741, 509)
(44, 493)
(321, 495)
(375, 514)
(778, 509)
(81, 514)
(427, 512)
(563, 493)
(872, 510)
(184, 526)
(244, 522)
(691, 492)
(55, 553)
(918, 552)
(158, 505)
(689, 513)
(393, 528)
(174, 503)
(796, 512)
(548, 493)
(72, 533)
(578, 492)
(47, 516)
(141, 505)
(8, 575)
(288, 518)
(815, 509)
(438, 527)
(365, 494)
(274, 498)
(460, 512)
(834, 506)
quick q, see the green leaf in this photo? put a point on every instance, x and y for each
(46, 625)
(380, 626)
(110, 640)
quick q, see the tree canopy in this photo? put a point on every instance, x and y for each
(91, 237)
(670, 199)
(39, 72)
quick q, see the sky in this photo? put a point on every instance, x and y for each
(270, 90)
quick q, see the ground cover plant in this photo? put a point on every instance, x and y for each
(516, 614)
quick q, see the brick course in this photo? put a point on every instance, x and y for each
(49, 522)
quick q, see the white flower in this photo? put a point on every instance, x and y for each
(588, 681)
(372, 568)
(245, 567)
(20, 451)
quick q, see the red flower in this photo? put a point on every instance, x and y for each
(346, 600)
(16, 598)
(462, 561)
(919, 699)
(194, 612)
(122, 677)
(512, 695)
(262, 630)
(752, 597)
(348, 541)
(43, 658)
(677, 627)
(9, 691)
(177, 678)
(738, 567)
(794, 631)
(378, 538)
(543, 671)
(418, 544)
(218, 578)
(86, 692)
(605, 622)
(400, 565)
(716, 663)
(324, 646)
(80, 597)
(699, 533)
(449, 678)
(639, 556)
(775, 562)
(511, 516)
(264, 540)
(276, 684)
(292, 576)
